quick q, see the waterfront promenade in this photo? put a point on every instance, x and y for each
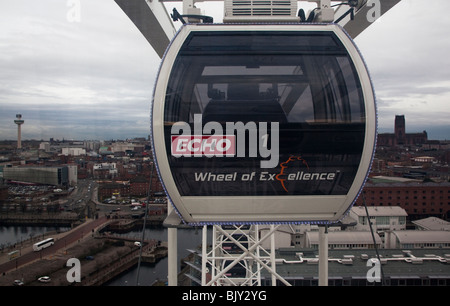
(62, 241)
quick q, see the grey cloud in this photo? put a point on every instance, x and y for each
(95, 78)
(92, 79)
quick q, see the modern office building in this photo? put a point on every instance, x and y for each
(56, 176)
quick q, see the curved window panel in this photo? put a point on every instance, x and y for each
(291, 102)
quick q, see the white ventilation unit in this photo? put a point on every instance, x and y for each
(260, 11)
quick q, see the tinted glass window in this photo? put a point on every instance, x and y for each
(297, 91)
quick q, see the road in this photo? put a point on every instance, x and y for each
(61, 243)
(85, 192)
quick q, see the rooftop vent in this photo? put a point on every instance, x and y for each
(346, 261)
(260, 11)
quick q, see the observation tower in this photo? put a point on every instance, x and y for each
(19, 121)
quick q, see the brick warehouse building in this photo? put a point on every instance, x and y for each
(136, 187)
(139, 186)
(419, 199)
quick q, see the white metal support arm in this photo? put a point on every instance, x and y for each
(363, 16)
(152, 20)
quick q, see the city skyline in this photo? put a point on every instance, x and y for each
(93, 78)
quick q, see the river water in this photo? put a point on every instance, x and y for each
(9, 235)
(149, 273)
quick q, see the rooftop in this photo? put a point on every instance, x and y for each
(387, 181)
(344, 237)
(352, 264)
(391, 179)
(422, 236)
(433, 223)
(376, 211)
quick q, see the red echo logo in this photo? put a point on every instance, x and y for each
(203, 145)
(229, 142)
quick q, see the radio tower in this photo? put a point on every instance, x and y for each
(19, 122)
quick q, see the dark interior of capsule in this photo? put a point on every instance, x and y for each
(308, 85)
(316, 99)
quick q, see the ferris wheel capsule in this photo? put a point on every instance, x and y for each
(263, 123)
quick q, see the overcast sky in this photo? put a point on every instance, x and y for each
(93, 79)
